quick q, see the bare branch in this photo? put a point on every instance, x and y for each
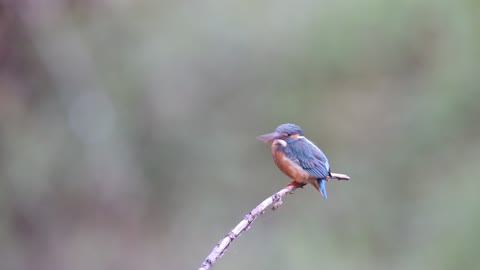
(275, 201)
(339, 176)
(244, 225)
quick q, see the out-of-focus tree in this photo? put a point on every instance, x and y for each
(127, 132)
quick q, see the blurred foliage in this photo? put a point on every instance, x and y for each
(127, 132)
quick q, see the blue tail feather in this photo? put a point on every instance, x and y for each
(323, 189)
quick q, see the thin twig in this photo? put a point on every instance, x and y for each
(244, 225)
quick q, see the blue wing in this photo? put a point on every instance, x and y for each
(309, 157)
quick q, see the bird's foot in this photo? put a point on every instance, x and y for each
(296, 184)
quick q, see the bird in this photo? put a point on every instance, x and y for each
(299, 158)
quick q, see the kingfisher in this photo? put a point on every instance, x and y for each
(299, 158)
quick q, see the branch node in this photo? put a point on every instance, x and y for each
(277, 204)
(231, 235)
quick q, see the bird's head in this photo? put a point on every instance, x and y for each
(282, 132)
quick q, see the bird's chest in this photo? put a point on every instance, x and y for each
(286, 164)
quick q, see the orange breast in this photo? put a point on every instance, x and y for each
(288, 167)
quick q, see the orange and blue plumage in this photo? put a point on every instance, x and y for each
(298, 157)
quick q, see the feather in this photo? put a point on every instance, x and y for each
(308, 156)
(323, 189)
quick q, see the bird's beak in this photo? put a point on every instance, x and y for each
(269, 136)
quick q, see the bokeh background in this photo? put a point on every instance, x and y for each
(127, 132)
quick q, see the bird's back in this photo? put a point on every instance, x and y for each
(308, 156)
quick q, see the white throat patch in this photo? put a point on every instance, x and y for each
(281, 142)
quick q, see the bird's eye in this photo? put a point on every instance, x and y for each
(286, 134)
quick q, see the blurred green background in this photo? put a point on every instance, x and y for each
(127, 132)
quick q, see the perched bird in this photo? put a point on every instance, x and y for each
(300, 159)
